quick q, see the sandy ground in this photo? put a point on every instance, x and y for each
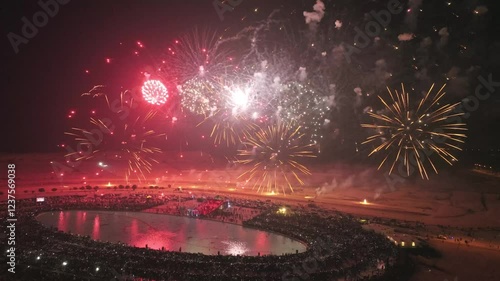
(460, 263)
(454, 199)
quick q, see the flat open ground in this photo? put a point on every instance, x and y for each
(462, 201)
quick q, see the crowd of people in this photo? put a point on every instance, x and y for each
(207, 207)
(337, 247)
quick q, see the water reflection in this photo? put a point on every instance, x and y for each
(170, 233)
(235, 248)
(96, 229)
(62, 223)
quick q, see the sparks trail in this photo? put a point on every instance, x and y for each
(122, 132)
(415, 134)
(275, 153)
(197, 54)
(229, 129)
(299, 102)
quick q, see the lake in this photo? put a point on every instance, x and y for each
(171, 232)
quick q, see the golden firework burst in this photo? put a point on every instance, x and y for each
(273, 156)
(414, 135)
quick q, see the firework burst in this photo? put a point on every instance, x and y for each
(258, 103)
(154, 92)
(230, 129)
(274, 158)
(414, 135)
(231, 121)
(199, 96)
(197, 54)
(300, 103)
(122, 134)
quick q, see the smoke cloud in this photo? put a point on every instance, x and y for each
(406, 36)
(313, 18)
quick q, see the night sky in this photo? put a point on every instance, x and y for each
(47, 76)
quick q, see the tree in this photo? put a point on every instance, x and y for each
(134, 187)
(54, 189)
(41, 189)
(96, 188)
